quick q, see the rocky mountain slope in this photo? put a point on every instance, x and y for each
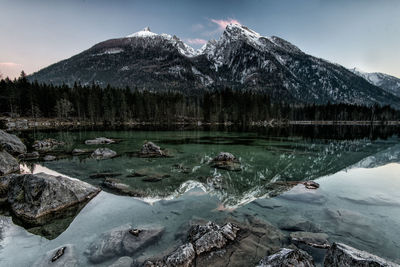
(241, 59)
(387, 82)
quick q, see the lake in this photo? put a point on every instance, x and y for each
(358, 201)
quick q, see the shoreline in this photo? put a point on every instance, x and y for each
(26, 123)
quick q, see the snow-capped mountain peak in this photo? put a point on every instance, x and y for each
(146, 32)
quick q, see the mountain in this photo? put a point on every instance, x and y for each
(240, 59)
(387, 82)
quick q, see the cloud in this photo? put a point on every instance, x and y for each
(197, 27)
(197, 41)
(223, 23)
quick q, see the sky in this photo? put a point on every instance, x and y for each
(354, 33)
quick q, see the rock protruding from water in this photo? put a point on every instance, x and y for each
(226, 161)
(182, 257)
(11, 143)
(288, 257)
(211, 236)
(99, 141)
(59, 257)
(47, 144)
(104, 153)
(345, 256)
(34, 197)
(8, 164)
(121, 242)
(49, 158)
(117, 187)
(151, 150)
(78, 151)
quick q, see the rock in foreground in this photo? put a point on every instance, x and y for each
(151, 150)
(99, 141)
(59, 257)
(11, 143)
(288, 257)
(345, 256)
(226, 161)
(8, 164)
(32, 196)
(103, 153)
(122, 241)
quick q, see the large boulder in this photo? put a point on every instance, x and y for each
(345, 256)
(11, 143)
(288, 257)
(99, 141)
(226, 161)
(35, 197)
(47, 144)
(151, 150)
(59, 257)
(104, 153)
(122, 241)
(8, 164)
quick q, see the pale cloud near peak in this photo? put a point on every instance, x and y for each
(9, 64)
(222, 23)
(197, 41)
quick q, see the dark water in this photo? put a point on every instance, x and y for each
(357, 167)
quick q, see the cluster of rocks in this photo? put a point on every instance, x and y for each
(47, 144)
(10, 146)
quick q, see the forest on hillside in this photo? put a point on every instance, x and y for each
(109, 105)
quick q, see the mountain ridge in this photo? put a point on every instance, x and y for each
(241, 59)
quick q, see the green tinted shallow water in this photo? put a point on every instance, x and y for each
(359, 178)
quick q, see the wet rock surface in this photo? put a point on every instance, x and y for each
(345, 256)
(288, 257)
(33, 197)
(121, 242)
(11, 143)
(103, 153)
(78, 151)
(49, 158)
(47, 144)
(99, 141)
(151, 150)
(226, 161)
(8, 164)
(59, 257)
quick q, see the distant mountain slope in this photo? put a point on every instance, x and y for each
(387, 82)
(241, 59)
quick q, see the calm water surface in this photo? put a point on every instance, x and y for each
(359, 178)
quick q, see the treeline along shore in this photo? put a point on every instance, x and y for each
(93, 105)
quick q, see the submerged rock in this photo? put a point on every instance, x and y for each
(288, 257)
(47, 144)
(103, 153)
(99, 141)
(345, 256)
(316, 240)
(11, 143)
(78, 151)
(151, 150)
(123, 262)
(121, 242)
(33, 197)
(104, 175)
(30, 156)
(8, 164)
(226, 161)
(120, 188)
(302, 194)
(49, 158)
(297, 223)
(60, 257)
